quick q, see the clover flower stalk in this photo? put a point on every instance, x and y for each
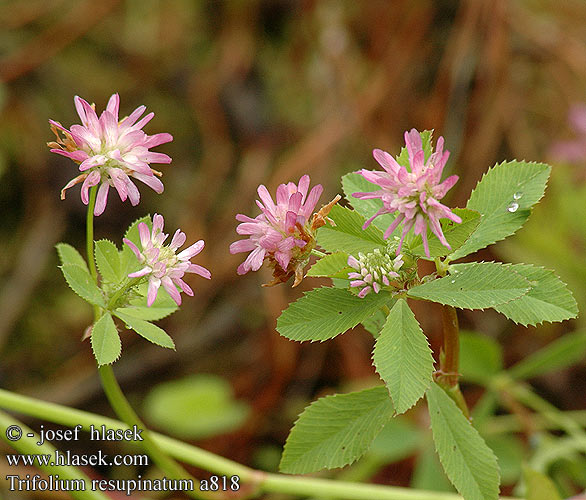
(284, 232)
(110, 152)
(162, 264)
(373, 271)
(413, 192)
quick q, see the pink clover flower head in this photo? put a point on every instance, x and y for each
(373, 271)
(573, 150)
(110, 151)
(284, 232)
(414, 192)
(162, 264)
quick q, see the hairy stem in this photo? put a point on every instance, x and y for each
(257, 482)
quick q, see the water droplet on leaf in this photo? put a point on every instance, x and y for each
(513, 207)
(517, 196)
(453, 281)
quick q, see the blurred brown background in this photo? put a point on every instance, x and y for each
(263, 91)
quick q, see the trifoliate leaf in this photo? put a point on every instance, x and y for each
(355, 183)
(82, 284)
(108, 261)
(334, 265)
(456, 234)
(105, 340)
(334, 431)
(403, 358)
(325, 312)
(474, 286)
(69, 255)
(147, 330)
(560, 353)
(468, 462)
(548, 300)
(504, 197)
(348, 235)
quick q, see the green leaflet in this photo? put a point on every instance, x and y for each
(108, 261)
(105, 340)
(347, 235)
(147, 330)
(82, 284)
(504, 196)
(403, 358)
(355, 183)
(539, 486)
(325, 312)
(562, 352)
(456, 234)
(474, 286)
(548, 300)
(334, 265)
(69, 255)
(336, 430)
(468, 462)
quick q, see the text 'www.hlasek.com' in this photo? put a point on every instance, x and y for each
(61, 475)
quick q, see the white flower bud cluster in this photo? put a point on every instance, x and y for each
(373, 270)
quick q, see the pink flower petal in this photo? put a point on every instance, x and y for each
(101, 199)
(154, 284)
(191, 251)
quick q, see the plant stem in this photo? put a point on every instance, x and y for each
(258, 481)
(450, 354)
(450, 359)
(90, 234)
(318, 253)
(28, 446)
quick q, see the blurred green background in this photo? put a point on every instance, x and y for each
(263, 91)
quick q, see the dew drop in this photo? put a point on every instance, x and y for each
(518, 195)
(513, 207)
(453, 281)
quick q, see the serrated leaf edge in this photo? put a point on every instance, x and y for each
(482, 215)
(314, 402)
